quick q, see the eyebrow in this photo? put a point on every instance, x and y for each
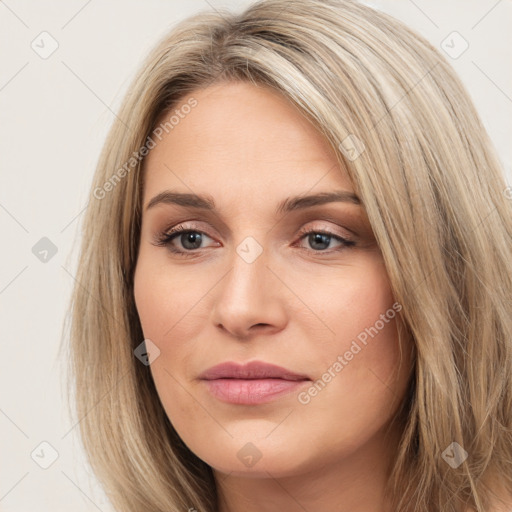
(206, 202)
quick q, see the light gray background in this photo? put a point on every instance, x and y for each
(55, 114)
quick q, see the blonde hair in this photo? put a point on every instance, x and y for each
(434, 194)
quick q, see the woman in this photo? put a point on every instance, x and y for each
(294, 288)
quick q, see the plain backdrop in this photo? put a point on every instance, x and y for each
(55, 112)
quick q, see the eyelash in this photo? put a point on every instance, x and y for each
(165, 240)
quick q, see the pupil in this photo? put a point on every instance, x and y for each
(319, 238)
(191, 238)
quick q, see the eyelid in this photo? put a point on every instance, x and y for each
(174, 231)
(339, 231)
(166, 238)
(347, 233)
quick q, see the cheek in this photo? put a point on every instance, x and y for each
(171, 314)
(355, 305)
(167, 302)
(361, 357)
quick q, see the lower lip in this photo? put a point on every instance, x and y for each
(251, 391)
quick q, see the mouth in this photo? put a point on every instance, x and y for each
(253, 383)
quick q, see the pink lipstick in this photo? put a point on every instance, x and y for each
(252, 383)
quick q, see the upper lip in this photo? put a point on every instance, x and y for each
(250, 370)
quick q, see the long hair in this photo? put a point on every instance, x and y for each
(402, 124)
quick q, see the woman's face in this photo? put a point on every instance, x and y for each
(241, 280)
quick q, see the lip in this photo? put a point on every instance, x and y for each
(252, 383)
(250, 370)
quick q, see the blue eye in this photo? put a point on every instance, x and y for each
(191, 240)
(317, 237)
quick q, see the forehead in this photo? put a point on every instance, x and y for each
(243, 137)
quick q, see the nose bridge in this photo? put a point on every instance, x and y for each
(246, 282)
(249, 293)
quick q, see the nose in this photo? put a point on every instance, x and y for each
(250, 299)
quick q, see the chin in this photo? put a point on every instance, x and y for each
(249, 463)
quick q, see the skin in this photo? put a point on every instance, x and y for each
(299, 305)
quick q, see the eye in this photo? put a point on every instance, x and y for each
(189, 239)
(320, 240)
(184, 241)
